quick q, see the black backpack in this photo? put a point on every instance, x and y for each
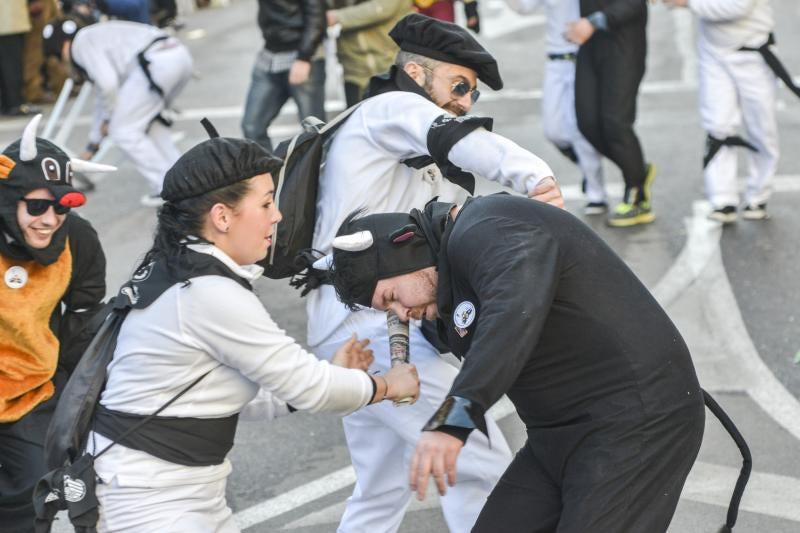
(296, 196)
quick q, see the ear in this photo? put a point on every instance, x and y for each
(416, 72)
(219, 218)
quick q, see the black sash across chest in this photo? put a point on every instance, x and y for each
(182, 440)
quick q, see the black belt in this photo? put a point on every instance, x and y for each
(184, 441)
(774, 63)
(568, 56)
(145, 64)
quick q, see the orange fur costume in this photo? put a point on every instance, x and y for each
(28, 346)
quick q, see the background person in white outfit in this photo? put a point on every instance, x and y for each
(170, 474)
(382, 159)
(558, 98)
(137, 71)
(737, 88)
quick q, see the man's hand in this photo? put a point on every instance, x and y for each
(436, 454)
(579, 31)
(676, 3)
(352, 354)
(299, 72)
(547, 191)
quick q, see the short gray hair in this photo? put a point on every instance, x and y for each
(403, 58)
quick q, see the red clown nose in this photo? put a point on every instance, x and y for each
(72, 199)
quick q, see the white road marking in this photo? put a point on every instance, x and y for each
(767, 494)
(235, 112)
(294, 498)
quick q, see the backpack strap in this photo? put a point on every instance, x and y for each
(325, 131)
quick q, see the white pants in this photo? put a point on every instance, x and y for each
(561, 126)
(381, 438)
(131, 124)
(195, 508)
(738, 88)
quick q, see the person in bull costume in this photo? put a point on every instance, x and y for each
(52, 281)
(597, 371)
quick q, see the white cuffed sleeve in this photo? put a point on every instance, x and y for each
(499, 159)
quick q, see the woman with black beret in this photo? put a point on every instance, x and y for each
(197, 332)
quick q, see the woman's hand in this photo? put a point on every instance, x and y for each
(353, 354)
(402, 382)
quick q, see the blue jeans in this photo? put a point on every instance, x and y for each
(270, 90)
(133, 10)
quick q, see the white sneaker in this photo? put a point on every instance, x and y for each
(151, 200)
(755, 212)
(725, 214)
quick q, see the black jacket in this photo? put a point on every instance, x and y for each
(289, 25)
(542, 309)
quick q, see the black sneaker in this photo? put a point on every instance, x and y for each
(726, 214)
(595, 208)
(755, 212)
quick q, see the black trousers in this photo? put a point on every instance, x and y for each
(595, 476)
(11, 47)
(22, 464)
(609, 69)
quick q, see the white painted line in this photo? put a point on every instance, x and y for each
(766, 494)
(699, 268)
(487, 95)
(294, 498)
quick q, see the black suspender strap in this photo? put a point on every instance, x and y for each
(145, 64)
(774, 63)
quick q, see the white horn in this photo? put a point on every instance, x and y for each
(354, 242)
(79, 165)
(323, 263)
(27, 148)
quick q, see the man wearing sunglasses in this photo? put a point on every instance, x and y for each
(52, 281)
(411, 140)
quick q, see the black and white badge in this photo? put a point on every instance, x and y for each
(463, 317)
(16, 277)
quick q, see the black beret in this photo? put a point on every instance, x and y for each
(214, 164)
(446, 42)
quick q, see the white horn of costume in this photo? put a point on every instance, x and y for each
(354, 242)
(79, 165)
(323, 263)
(27, 147)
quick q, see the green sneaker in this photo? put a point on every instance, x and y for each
(626, 214)
(649, 178)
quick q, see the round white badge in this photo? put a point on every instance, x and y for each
(74, 489)
(464, 315)
(16, 277)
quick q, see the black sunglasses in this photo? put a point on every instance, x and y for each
(39, 206)
(462, 88)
